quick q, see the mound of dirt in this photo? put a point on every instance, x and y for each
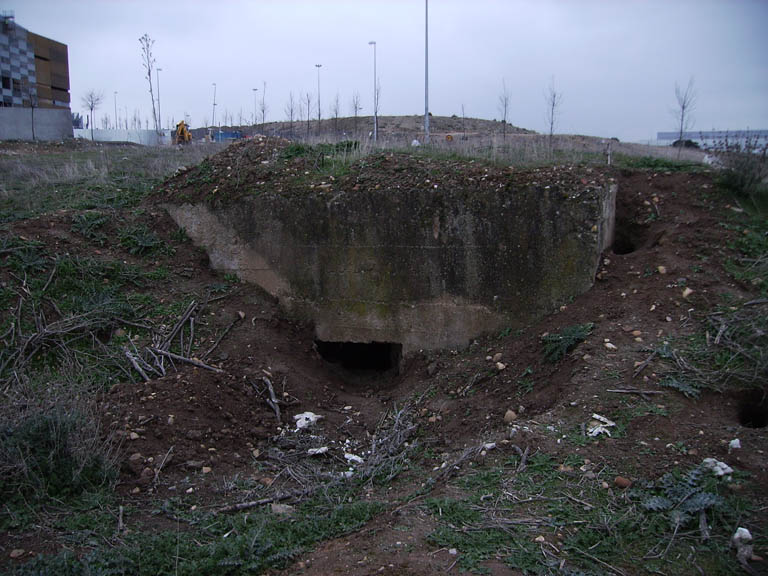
(274, 166)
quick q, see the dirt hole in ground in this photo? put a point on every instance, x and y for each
(362, 356)
(753, 409)
(628, 237)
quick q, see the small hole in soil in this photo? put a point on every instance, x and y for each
(623, 243)
(753, 409)
(374, 356)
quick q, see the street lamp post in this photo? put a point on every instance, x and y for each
(117, 125)
(375, 95)
(255, 116)
(213, 114)
(426, 71)
(159, 117)
(318, 66)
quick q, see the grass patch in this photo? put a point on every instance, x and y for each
(650, 163)
(256, 542)
(556, 346)
(545, 518)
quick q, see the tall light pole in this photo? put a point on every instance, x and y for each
(255, 116)
(263, 104)
(375, 95)
(159, 117)
(318, 66)
(426, 71)
(213, 114)
(117, 126)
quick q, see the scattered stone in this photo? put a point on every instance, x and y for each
(133, 436)
(136, 490)
(500, 366)
(510, 416)
(637, 333)
(539, 539)
(734, 444)
(497, 357)
(135, 457)
(432, 369)
(193, 464)
(194, 435)
(241, 314)
(207, 469)
(662, 269)
(604, 485)
(622, 482)
(171, 419)
(687, 292)
(453, 551)
(610, 346)
(317, 451)
(17, 553)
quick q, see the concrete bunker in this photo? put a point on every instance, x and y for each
(414, 264)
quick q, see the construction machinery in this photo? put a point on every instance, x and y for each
(182, 135)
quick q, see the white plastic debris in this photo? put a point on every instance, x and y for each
(317, 451)
(718, 468)
(734, 444)
(353, 458)
(306, 419)
(599, 425)
(741, 536)
(489, 445)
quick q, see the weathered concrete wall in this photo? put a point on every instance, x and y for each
(427, 269)
(145, 137)
(50, 124)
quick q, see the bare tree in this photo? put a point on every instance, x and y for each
(92, 100)
(31, 93)
(504, 107)
(553, 100)
(335, 110)
(686, 103)
(290, 112)
(463, 123)
(148, 62)
(309, 111)
(356, 107)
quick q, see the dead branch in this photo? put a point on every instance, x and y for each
(220, 338)
(272, 400)
(643, 364)
(192, 361)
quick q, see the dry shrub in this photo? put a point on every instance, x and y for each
(51, 440)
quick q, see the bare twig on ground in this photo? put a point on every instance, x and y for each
(220, 338)
(191, 361)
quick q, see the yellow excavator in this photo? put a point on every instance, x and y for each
(182, 135)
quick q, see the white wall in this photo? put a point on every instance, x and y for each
(145, 137)
(50, 123)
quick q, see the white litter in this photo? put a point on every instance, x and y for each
(734, 444)
(741, 536)
(353, 458)
(718, 468)
(317, 451)
(306, 419)
(599, 425)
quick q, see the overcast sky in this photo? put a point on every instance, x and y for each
(616, 62)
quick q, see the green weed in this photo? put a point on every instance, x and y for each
(556, 346)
